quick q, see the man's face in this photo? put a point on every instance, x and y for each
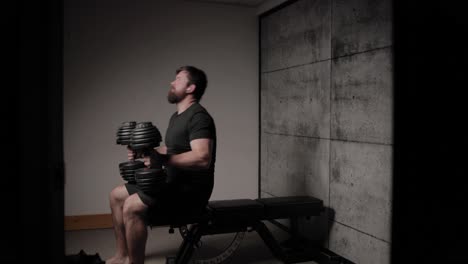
(177, 92)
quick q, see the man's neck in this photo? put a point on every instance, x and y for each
(185, 104)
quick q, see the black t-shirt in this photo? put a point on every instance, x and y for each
(194, 123)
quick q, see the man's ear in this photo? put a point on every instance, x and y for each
(190, 88)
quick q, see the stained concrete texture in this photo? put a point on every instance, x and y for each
(358, 247)
(360, 25)
(298, 101)
(361, 186)
(296, 35)
(296, 166)
(362, 97)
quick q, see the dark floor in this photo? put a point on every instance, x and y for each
(161, 244)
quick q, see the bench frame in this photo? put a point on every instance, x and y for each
(234, 216)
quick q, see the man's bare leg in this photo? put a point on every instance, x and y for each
(135, 228)
(117, 199)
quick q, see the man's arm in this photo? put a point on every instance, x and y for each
(161, 150)
(198, 158)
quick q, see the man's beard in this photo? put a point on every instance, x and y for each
(173, 98)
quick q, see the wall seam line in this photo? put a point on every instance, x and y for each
(330, 118)
(362, 232)
(334, 139)
(329, 59)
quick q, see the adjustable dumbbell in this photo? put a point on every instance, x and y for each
(145, 137)
(141, 138)
(127, 169)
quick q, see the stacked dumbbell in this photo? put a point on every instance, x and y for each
(142, 138)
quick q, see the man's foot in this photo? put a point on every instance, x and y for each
(118, 260)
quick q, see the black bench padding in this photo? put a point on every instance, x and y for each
(240, 210)
(246, 211)
(290, 206)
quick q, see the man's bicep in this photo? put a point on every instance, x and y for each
(202, 145)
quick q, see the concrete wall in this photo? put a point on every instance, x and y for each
(326, 116)
(119, 58)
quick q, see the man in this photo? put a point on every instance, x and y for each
(189, 156)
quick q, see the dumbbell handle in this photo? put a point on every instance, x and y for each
(148, 153)
(137, 154)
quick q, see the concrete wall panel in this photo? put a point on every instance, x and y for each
(360, 186)
(296, 166)
(296, 35)
(327, 120)
(360, 25)
(362, 97)
(358, 247)
(298, 101)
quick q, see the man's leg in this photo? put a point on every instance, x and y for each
(117, 199)
(136, 232)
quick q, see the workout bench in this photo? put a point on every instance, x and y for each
(231, 216)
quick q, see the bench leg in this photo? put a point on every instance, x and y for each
(186, 249)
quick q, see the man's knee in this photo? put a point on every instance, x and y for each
(134, 207)
(118, 195)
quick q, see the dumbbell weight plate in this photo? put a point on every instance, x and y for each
(146, 134)
(132, 173)
(127, 171)
(144, 145)
(132, 165)
(150, 128)
(144, 140)
(148, 171)
(124, 138)
(151, 180)
(157, 173)
(125, 131)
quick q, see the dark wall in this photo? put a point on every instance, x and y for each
(429, 222)
(34, 195)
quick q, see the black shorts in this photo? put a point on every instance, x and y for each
(148, 200)
(171, 201)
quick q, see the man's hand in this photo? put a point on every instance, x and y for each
(147, 160)
(154, 159)
(131, 154)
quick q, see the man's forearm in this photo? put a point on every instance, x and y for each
(161, 150)
(189, 160)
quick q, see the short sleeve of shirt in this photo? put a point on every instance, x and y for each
(201, 125)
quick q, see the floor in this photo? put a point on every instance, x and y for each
(252, 249)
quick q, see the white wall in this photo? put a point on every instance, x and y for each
(119, 58)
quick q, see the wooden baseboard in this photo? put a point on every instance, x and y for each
(80, 222)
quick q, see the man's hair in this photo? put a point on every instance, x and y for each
(196, 77)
